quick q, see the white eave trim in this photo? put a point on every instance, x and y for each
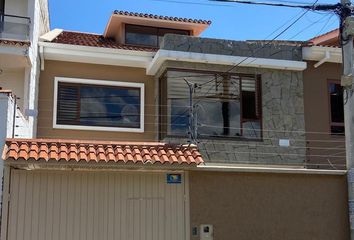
(164, 55)
(153, 61)
(267, 169)
(96, 55)
(320, 54)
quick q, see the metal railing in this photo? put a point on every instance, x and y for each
(14, 27)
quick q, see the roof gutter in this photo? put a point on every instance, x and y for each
(164, 55)
(95, 55)
(322, 54)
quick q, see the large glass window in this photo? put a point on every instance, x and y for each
(336, 108)
(223, 106)
(94, 105)
(148, 36)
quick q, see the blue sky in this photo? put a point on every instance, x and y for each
(230, 20)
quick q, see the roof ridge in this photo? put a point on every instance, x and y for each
(88, 33)
(162, 17)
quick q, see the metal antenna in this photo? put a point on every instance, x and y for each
(191, 127)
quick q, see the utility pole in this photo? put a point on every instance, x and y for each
(346, 39)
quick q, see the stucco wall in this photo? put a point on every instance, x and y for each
(13, 79)
(260, 206)
(16, 7)
(324, 150)
(98, 72)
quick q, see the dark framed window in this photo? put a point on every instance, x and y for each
(336, 107)
(224, 106)
(99, 107)
(148, 36)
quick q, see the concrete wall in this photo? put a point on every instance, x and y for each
(324, 150)
(98, 72)
(260, 206)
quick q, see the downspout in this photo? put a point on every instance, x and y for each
(41, 56)
(14, 116)
(323, 60)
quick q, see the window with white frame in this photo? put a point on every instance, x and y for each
(98, 105)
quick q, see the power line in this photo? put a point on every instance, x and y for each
(313, 7)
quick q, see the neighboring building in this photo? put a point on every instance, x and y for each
(124, 152)
(21, 24)
(323, 101)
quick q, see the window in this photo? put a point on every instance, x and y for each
(223, 106)
(98, 105)
(148, 36)
(336, 107)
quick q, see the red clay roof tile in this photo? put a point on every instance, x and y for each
(73, 150)
(15, 43)
(160, 17)
(95, 40)
(328, 39)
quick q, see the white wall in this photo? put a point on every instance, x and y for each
(38, 11)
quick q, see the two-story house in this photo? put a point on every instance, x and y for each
(149, 131)
(21, 24)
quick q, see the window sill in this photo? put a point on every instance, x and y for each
(96, 128)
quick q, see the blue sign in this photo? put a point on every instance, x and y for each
(173, 178)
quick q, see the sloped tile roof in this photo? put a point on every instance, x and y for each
(99, 151)
(95, 40)
(160, 17)
(328, 39)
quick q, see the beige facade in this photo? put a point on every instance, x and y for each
(14, 79)
(142, 205)
(95, 72)
(317, 118)
(260, 206)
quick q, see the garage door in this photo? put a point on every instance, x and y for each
(57, 205)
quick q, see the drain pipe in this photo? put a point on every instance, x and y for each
(14, 116)
(323, 60)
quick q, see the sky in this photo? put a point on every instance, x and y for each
(229, 20)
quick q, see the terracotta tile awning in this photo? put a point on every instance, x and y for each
(95, 40)
(123, 152)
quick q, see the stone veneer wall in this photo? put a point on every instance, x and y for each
(262, 49)
(282, 105)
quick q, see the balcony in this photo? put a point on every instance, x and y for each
(14, 27)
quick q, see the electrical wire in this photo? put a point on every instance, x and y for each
(307, 27)
(313, 7)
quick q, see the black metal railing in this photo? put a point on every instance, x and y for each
(13, 27)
